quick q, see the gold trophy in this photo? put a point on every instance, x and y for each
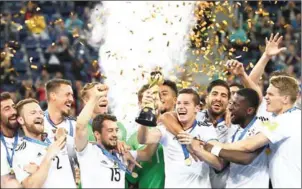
(147, 115)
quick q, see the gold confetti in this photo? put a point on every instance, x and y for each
(286, 25)
(149, 51)
(168, 43)
(131, 32)
(164, 34)
(151, 38)
(34, 66)
(245, 49)
(251, 65)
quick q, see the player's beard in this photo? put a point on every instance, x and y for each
(66, 113)
(32, 128)
(109, 146)
(6, 121)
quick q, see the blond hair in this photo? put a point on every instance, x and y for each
(286, 85)
(21, 104)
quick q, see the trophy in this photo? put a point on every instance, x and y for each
(147, 115)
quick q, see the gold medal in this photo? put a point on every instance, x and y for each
(188, 161)
(11, 172)
(115, 165)
(134, 175)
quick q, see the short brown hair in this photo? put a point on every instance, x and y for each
(287, 86)
(5, 96)
(97, 123)
(21, 103)
(141, 92)
(196, 98)
(86, 87)
(53, 84)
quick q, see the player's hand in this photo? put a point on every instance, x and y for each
(100, 91)
(208, 147)
(31, 168)
(235, 67)
(148, 99)
(60, 132)
(122, 147)
(184, 138)
(130, 161)
(55, 147)
(272, 45)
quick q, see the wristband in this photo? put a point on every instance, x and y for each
(215, 150)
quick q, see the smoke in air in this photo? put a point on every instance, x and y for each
(136, 37)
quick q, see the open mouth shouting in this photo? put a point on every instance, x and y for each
(38, 121)
(68, 104)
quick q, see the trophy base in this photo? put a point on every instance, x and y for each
(146, 117)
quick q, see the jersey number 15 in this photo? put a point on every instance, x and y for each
(116, 175)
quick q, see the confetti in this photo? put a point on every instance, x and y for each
(30, 59)
(245, 49)
(34, 66)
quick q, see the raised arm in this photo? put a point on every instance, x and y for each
(81, 139)
(169, 120)
(147, 135)
(271, 49)
(146, 153)
(237, 69)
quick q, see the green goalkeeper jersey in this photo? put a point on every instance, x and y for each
(152, 174)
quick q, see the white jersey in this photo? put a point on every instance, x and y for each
(60, 173)
(177, 173)
(70, 126)
(284, 133)
(9, 143)
(261, 112)
(97, 170)
(254, 175)
(224, 133)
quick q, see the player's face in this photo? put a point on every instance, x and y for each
(218, 100)
(234, 89)
(238, 109)
(9, 114)
(273, 99)
(167, 98)
(32, 118)
(64, 99)
(185, 107)
(109, 134)
(98, 108)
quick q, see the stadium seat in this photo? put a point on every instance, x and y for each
(34, 55)
(44, 44)
(20, 66)
(30, 43)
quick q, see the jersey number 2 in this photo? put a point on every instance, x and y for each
(116, 175)
(58, 162)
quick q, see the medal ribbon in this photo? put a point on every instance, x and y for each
(8, 157)
(183, 146)
(114, 158)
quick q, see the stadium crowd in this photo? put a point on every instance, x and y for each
(245, 133)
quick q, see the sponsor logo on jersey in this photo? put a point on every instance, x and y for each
(104, 162)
